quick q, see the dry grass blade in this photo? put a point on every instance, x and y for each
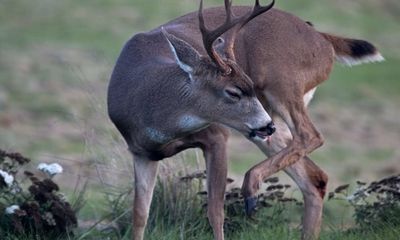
(341, 188)
(271, 180)
(331, 195)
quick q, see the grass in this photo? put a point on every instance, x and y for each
(372, 83)
(278, 222)
(177, 213)
(388, 233)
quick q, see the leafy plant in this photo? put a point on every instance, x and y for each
(38, 212)
(375, 205)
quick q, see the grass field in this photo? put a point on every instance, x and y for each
(56, 58)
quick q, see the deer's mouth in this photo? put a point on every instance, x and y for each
(260, 135)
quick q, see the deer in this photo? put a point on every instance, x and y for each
(182, 85)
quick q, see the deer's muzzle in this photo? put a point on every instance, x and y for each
(263, 132)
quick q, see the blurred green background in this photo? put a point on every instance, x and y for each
(56, 58)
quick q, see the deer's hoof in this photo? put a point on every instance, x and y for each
(250, 204)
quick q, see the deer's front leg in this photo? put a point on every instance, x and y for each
(145, 177)
(212, 141)
(216, 163)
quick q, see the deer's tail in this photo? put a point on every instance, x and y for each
(353, 51)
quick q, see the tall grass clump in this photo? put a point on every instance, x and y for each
(176, 209)
(177, 204)
(181, 203)
(275, 209)
(179, 208)
(186, 207)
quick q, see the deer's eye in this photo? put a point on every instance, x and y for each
(233, 93)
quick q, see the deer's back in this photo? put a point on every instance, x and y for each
(273, 44)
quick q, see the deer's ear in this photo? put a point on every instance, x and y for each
(185, 55)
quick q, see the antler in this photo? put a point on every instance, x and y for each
(231, 22)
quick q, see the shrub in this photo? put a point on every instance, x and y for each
(375, 205)
(39, 212)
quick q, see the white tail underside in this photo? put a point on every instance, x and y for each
(351, 61)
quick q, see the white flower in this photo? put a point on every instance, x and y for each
(8, 179)
(351, 198)
(48, 216)
(11, 209)
(51, 169)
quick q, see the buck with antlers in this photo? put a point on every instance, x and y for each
(180, 85)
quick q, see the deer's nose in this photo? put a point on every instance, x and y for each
(271, 128)
(263, 132)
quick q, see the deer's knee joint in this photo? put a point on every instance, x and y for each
(298, 147)
(319, 140)
(312, 143)
(251, 183)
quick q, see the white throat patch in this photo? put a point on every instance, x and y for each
(190, 122)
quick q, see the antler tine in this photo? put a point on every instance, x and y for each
(210, 36)
(228, 7)
(257, 10)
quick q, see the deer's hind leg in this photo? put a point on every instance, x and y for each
(306, 174)
(312, 183)
(287, 102)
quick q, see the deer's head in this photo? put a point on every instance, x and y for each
(222, 91)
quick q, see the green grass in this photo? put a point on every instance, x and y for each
(284, 233)
(369, 83)
(278, 233)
